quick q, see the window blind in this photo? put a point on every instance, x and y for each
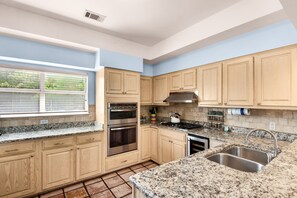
(35, 92)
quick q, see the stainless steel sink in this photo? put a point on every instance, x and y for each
(236, 162)
(250, 154)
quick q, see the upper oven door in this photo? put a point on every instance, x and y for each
(122, 115)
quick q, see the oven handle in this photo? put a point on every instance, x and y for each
(120, 110)
(121, 128)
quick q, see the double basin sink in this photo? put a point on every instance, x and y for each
(241, 158)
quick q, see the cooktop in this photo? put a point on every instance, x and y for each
(182, 125)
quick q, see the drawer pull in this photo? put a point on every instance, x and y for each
(13, 150)
(124, 161)
(59, 143)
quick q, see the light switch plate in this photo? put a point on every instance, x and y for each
(43, 121)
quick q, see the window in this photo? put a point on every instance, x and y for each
(38, 93)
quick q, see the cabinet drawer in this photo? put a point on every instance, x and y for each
(179, 136)
(17, 148)
(83, 139)
(120, 161)
(58, 143)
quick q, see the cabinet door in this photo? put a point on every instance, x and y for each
(165, 150)
(276, 80)
(178, 150)
(17, 175)
(58, 167)
(154, 145)
(175, 81)
(189, 79)
(146, 89)
(89, 160)
(114, 81)
(145, 143)
(132, 81)
(160, 89)
(238, 78)
(210, 85)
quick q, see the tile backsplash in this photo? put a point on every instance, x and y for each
(29, 121)
(285, 120)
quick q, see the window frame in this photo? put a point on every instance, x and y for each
(42, 92)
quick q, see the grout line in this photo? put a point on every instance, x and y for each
(85, 187)
(108, 187)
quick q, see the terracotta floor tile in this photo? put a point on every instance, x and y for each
(140, 170)
(147, 163)
(77, 193)
(128, 196)
(125, 170)
(121, 190)
(58, 196)
(96, 188)
(130, 184)
(92, 181)
(136, 166)
(114, 181)
(113, 174)
(53, 193)
(126, 176)
(152, 166)
(104, 194)
(72, 187)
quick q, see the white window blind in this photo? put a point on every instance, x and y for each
(38, 92)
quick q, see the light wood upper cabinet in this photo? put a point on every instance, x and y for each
(88, 160)
(210, 85)
(146, 90)
(122, 82)
(276, 81)
(17, 175)
(238, 82)
(145, 143)
(160, 89)
(182, 81)
(58, 167)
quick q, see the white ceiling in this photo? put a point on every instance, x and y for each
(146, 22)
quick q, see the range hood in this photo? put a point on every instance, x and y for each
(182, 97)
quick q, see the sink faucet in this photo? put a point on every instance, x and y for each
(267, 131)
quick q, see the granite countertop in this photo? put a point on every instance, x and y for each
(30, 135)
(196, 176)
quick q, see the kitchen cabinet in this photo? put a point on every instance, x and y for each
(182, 81)
(122, 82)
(18, 171)
(210, 85)
(88, 156)
(160, 89)
(146, 90)
(238, 82)
(145, 143)
(154, 144)
(172, 145)
(276, 82)
(121, 160)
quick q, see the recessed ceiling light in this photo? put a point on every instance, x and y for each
(94, 16)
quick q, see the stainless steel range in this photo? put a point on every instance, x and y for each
(122, 128)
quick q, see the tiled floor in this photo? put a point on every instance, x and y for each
(114, 184)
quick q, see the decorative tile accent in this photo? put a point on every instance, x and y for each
(114, 181)
(121, 190)
(96, 188)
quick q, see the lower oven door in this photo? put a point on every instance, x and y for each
(121, 139)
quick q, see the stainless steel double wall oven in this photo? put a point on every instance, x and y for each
(122, 128)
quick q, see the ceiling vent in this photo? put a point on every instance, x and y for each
(94, 16)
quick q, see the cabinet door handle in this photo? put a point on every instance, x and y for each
(259, 103)
(225, 103)
(59, 143)
(12, 150)
(91, 139)
(124, 161)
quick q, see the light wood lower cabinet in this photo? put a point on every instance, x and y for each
(145, 143)
(17, 175)
(121, 160)
(165, 149)
(154, 144)
(88, 160)
(58, 167)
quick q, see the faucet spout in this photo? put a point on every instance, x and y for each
(275, 152)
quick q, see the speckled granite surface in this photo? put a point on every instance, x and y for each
(196, 176)
(29, 135)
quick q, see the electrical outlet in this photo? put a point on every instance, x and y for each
(43, 121)
(271, 125)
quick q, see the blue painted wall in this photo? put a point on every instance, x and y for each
(269, 37)
(148, 70)
(120, 61)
